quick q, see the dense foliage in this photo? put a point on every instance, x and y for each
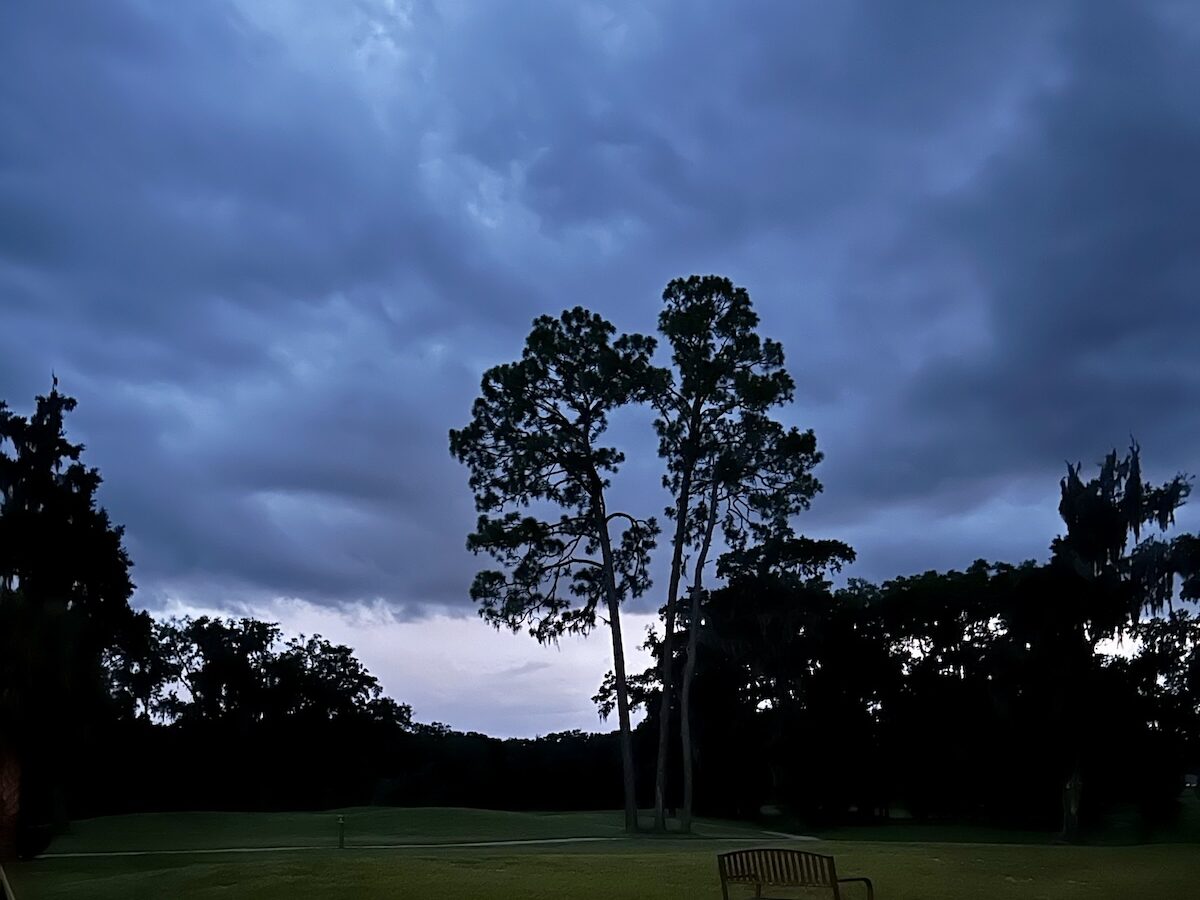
(64, 605)
(1039, 695)
(236, 717)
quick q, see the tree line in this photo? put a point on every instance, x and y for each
(911, 691)
(105, 710)
(988, 695)
(1039, 696)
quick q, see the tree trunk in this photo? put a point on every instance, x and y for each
(664, 713)
(1073, 717)
(689, 669)
(614, 623)
(10, 800)
(627, 769)
(685, 718)
(1072, 794)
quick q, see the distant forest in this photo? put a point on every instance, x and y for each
(991, 695)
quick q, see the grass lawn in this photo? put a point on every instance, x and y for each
(366, 825)
(645, 867)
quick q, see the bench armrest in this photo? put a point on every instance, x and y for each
(866, 881)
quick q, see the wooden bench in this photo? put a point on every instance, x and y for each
(783, 868)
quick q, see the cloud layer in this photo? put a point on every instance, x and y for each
(272, 250)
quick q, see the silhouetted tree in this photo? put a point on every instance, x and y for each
(64, 602)
(241, 672)
(796, 656)
(225, 665)
(943, 718)
(758, 478)
(1107, 584)
(138, 671)
(722, 371)
(247, 719)
(1185, 560)
(534, 444)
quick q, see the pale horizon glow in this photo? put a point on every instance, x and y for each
(460, 671)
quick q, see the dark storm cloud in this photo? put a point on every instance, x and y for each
(1086, 238)
(234, 264)
(1074, 245)
(271, 252)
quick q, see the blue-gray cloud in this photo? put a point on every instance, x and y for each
(272, 250)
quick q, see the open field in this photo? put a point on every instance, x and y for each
(607, 866)
(367, 825)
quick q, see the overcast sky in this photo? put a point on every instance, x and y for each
(271, 246)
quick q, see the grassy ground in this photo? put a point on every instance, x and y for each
(368, 825)
(1120, 828)
(645, 867)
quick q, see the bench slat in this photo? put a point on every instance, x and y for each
(794, 868)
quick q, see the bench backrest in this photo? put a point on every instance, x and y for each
(793, 868)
